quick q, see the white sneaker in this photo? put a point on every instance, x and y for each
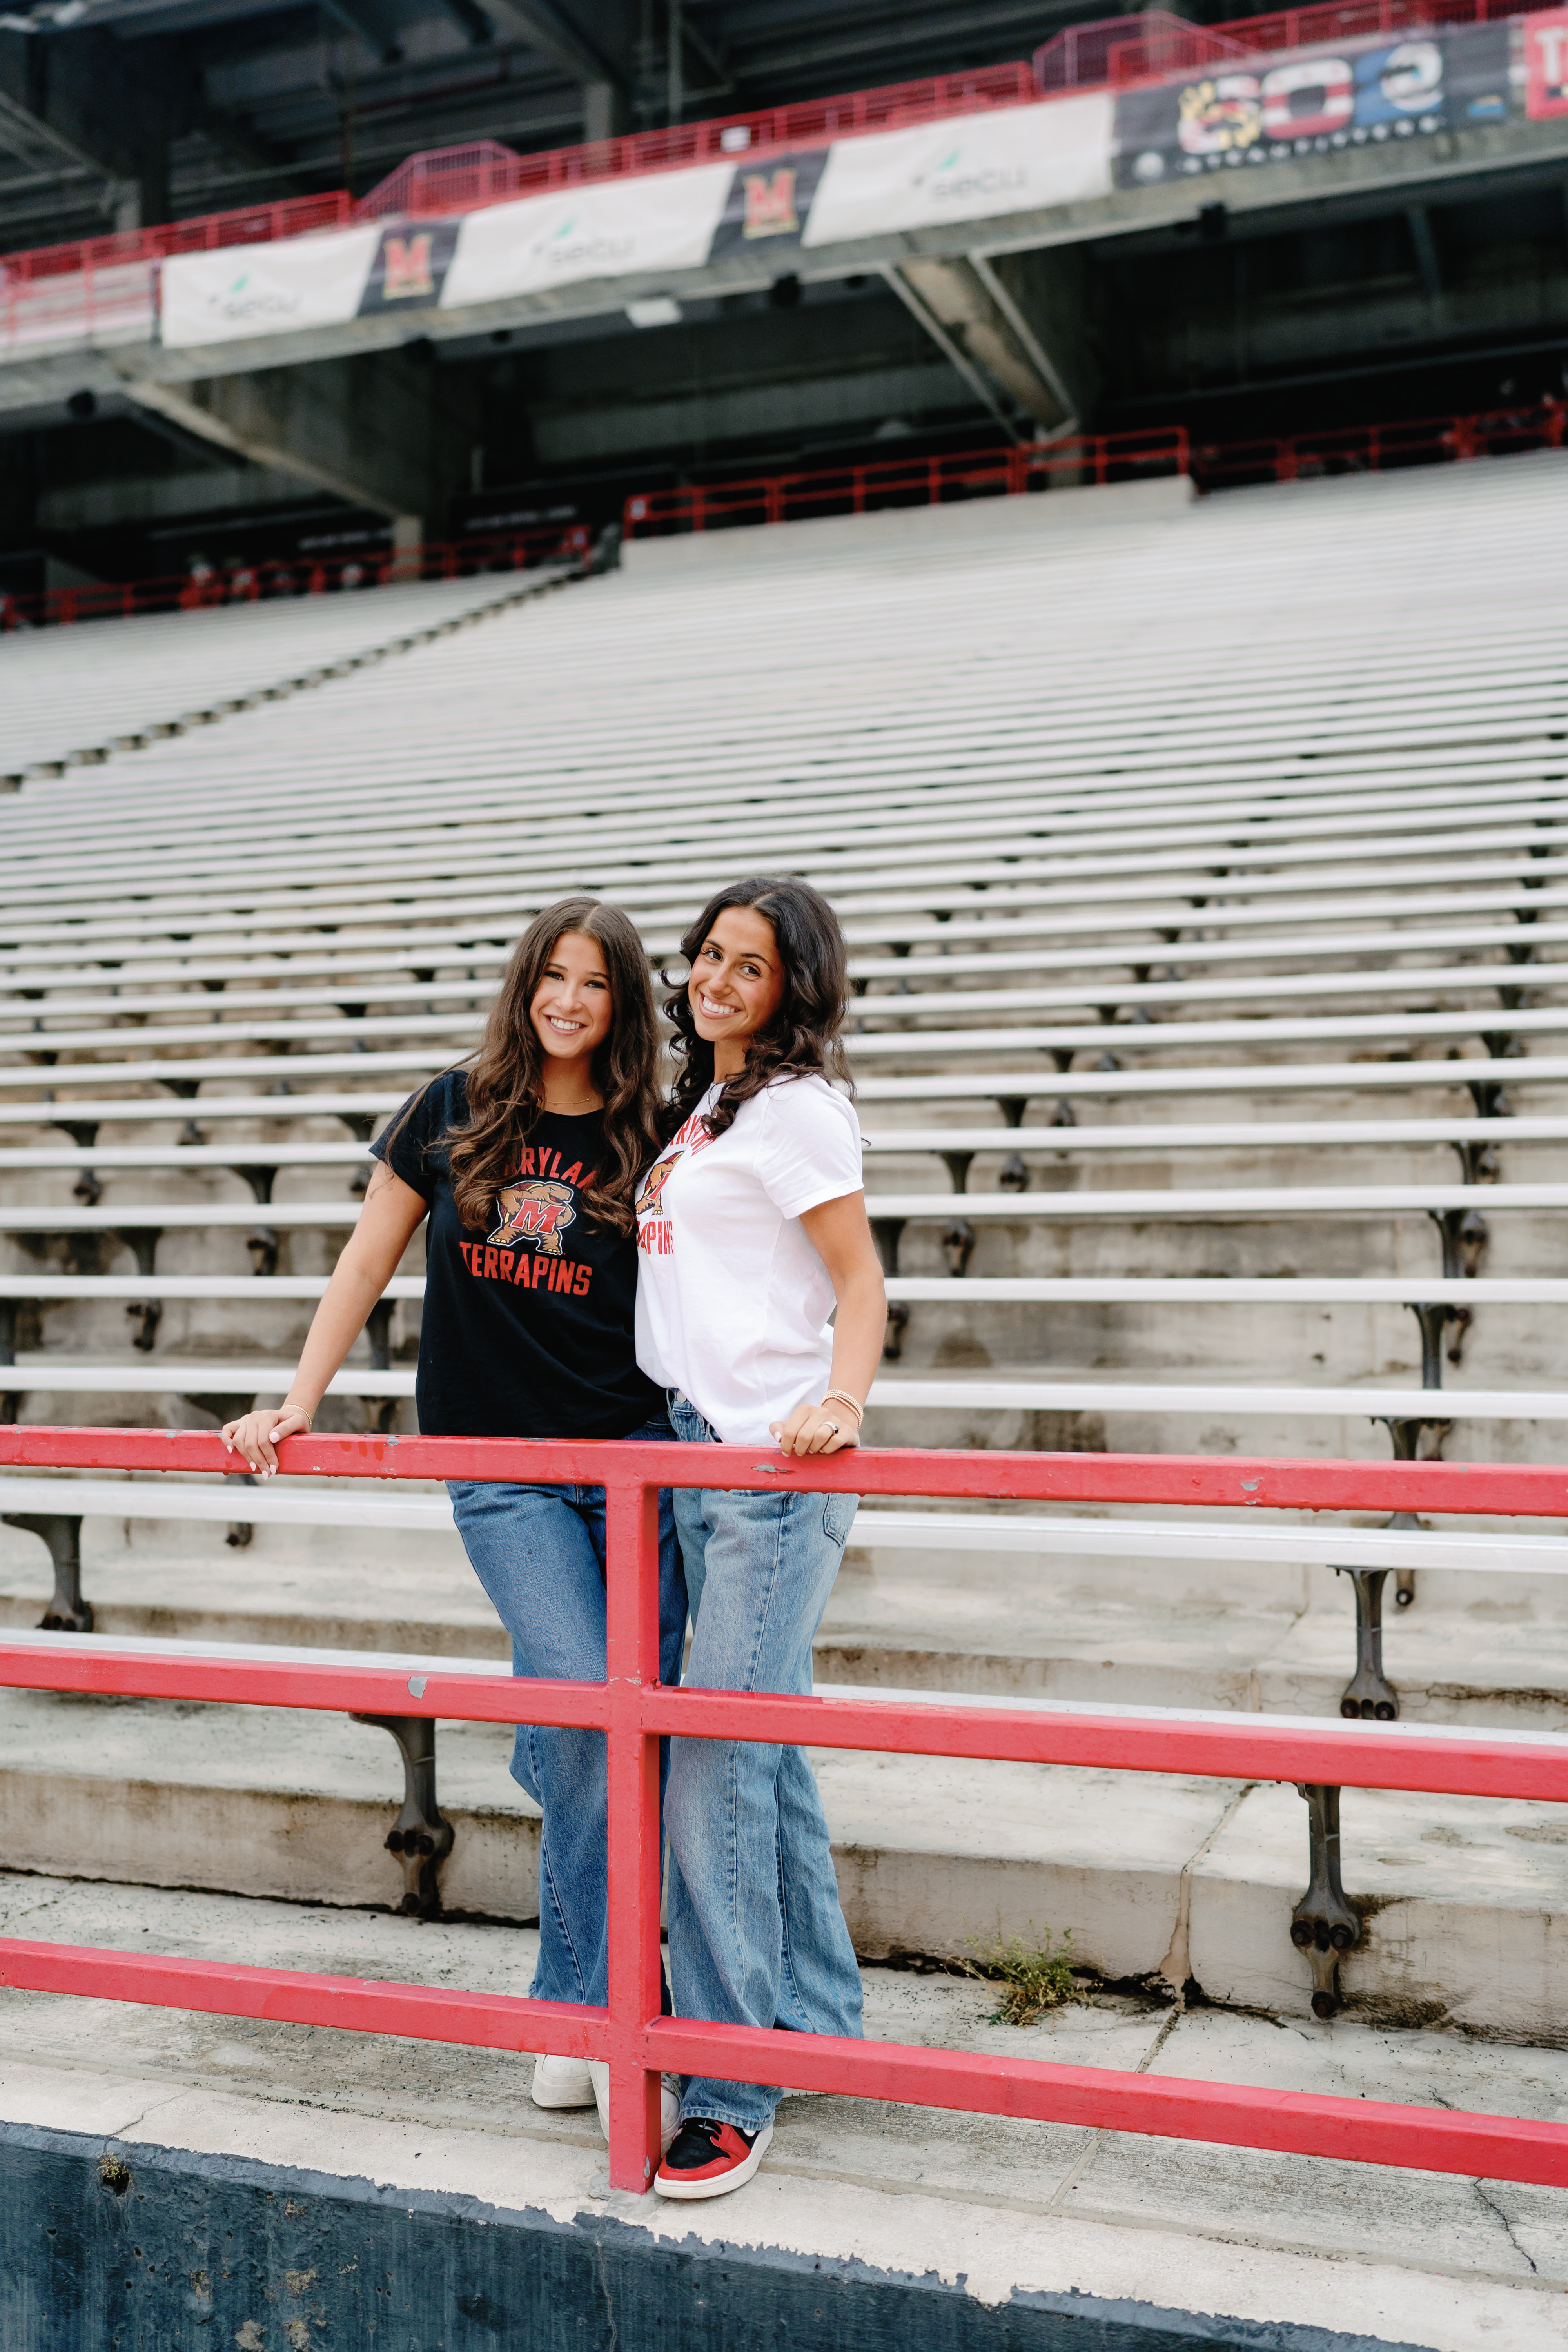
(668, 2102)
(562, 2083)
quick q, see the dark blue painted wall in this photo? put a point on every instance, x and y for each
(153, 2250)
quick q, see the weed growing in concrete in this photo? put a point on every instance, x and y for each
(1033, 1971)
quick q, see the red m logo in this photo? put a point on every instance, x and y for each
(770, 203)
(407, 273)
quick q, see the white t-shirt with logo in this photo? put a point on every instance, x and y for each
(732, 1299)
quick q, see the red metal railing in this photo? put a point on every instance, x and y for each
(1092, 458)
(117, 269)
(906, 482)
(460, 179)
(1171, 47)
(633, 1710)
(304, 575)
(248, 225)
(1097, 459)
(1381, 448)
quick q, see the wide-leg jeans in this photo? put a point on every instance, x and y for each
(539, 1551)
(756, 1932)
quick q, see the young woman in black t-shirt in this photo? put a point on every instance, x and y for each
(527, 1164)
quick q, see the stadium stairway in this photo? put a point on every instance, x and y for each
(69, 704)
(1205, 873)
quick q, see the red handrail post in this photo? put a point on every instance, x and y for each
(631, 1659)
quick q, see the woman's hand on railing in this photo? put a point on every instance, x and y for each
(256, 1434)
(816, 1429)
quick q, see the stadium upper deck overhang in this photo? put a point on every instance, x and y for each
(1385, 121)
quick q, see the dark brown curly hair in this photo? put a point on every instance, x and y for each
(802, 1034)
(505, 1076)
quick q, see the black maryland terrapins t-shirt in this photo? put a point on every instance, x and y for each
(529, 1324)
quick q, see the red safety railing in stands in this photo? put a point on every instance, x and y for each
(1171, 47)
(632, 1710)
(1092, 459)
(248, 225)
(1381, 448)
(908, 482)
(1114, 50)
(303, 575)
(458, 178)
(1088, 458)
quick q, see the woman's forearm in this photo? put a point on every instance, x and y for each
(335, 1326)
(859, 1330)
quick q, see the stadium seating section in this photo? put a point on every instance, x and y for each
(1206, 884)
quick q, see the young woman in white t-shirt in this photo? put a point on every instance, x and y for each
(751, 1231)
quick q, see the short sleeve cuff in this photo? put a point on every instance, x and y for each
(834, 1189)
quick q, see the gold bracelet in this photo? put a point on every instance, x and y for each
(841, 1396)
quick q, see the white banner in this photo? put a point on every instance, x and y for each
(1020, 159)
(246, 290)
(616, 228)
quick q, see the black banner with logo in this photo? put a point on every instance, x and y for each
(769, 203)
(1313, 102)
(409, 266)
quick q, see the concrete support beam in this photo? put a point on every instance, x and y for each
(973, 317)
(605, 113)
(1044, 294)
(373, 429)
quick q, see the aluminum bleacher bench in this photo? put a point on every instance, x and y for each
(1459, 787)
(1212, 1204)
(916, 993)
(1000, 889)
(1437, 1300)
(957, 1146)
(460, 1032)
(842, 864)
(53, 1508)
(406, 949)
(88, 986)
(673, 898)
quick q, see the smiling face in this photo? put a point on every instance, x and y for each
(572, 1006)
(737, 984)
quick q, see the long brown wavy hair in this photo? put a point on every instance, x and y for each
(802, 1034)
(505, 1076)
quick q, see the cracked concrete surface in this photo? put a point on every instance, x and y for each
(1448, 2262)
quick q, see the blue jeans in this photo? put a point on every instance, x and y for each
(756, 1933)
(539, 1551)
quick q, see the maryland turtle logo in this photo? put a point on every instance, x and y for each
(533, 1212)
(653, 1184)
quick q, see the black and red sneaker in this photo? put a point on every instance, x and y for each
(707, 2158)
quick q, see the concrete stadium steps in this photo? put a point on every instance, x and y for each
(997, 2204)
(1126, 1628)
(1160, 1879)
